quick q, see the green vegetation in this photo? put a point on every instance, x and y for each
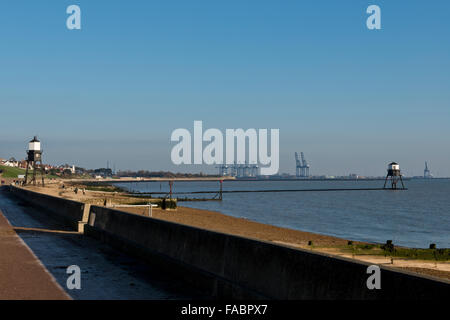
(102, 188)
(168, 204)
(399, 252)
(423, 254)
(12, 172)
(96, 186)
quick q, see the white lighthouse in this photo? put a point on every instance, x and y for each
(34, 154)
(394, 174)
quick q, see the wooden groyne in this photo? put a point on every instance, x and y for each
(271, 190)
(218, 194)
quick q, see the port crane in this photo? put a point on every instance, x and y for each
(301, 165)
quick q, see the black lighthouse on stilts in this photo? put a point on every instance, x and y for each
(394, 175)
(34, 157)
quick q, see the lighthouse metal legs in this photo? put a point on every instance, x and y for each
(401, 180)
(33, 164)
(42, 174)
(26, 175)
(394, 181)
(385, 181)
(34, 173)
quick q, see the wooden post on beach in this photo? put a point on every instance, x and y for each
(170, 185)
(220, 193)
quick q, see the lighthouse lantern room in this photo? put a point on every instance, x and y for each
(394, 175)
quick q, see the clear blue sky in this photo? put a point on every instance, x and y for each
(350, 98)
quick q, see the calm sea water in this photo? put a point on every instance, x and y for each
(414, 218)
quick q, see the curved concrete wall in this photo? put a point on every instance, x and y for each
(72, 213)
(235, 267)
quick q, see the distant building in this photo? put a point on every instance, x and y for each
(426, 172)
(67, 167)
(23, 164)
(11, 163)
(103, 172)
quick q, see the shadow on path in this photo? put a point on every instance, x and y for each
(105, 272)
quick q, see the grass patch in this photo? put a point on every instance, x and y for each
(422, 254)
(104, 188)
(96, 186)
(407, 253)
(12, 172)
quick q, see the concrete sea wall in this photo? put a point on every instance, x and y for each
(228, 266)
(72, 213)
(233, 266)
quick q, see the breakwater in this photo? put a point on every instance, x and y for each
(229, 266)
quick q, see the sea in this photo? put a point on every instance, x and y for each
(415, 217)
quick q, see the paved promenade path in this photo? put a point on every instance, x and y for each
(105, 272)
(22, 276)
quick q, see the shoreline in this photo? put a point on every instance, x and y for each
(219, 222)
